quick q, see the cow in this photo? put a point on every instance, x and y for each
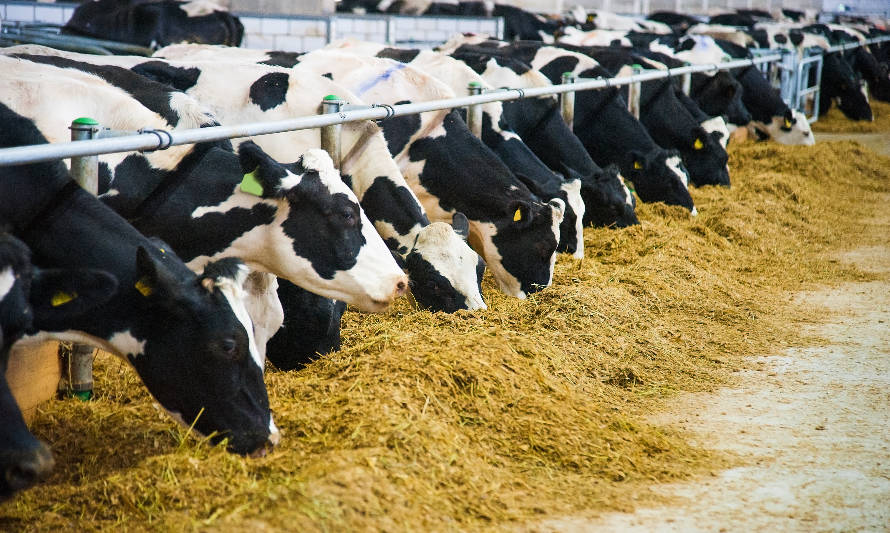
(602, 122)
(842, 85)
(187, 336)
(29, 295)
(448, 168)
(264, 224)
(264, 92)
(771, 117)
(155, 23)
(607, 200)
(669, 121)
(497, 133)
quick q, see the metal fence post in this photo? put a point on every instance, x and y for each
(474, 112)
(77, 367)
(330, 135)
(390, 30)
(687, 82)
(633, 93)
(567, 101)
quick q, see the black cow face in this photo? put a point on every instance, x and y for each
(659, 176)
(609, 202)
(840, 83)
(232, 402)
(526, 238)
(704, 153)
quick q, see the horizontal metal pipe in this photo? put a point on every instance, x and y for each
(151, 141)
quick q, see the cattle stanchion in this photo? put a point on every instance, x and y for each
(77, 363)
(687, 82)
(567, 101)
(633, 93)
(474, 112)
(330, 135)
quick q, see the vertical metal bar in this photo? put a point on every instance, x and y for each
(567, 101)
(391, 30)
(85, 170)
(633, 94)
(474, 112)
(330, 29)
(687, 82)
(330, 135)
(78, 363)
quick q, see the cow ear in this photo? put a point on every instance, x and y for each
(153, 278)
(262, 174)
(461, 225)
(519, 212)
(638, 160)
(58, 294)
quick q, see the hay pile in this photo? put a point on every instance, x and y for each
(486, 419)
(834, 121)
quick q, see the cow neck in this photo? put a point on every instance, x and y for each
(602, 105)
(644, 104)
(169, 184)
(60, 197)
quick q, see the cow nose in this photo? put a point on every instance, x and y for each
(401, 287)
(30, 468)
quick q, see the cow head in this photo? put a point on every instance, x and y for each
(444, 268)
(841, 84)
(522, 241)
(703, 153)
(339, 253)
(27, 296)
(231, 402)
(792, 128)
(571, 229)
(659, 176)
(609, 202)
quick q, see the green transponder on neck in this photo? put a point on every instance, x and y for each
(250, 185)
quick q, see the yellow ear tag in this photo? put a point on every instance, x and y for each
(144, 288)
(517, 216)
(250, 185)
(787, 123)
(698, 145)
(62, 297)
(638, 165)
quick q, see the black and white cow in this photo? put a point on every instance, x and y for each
(448, 169)
(155, 23)
(188, 337)
(444, 276)
(497, 134)
(538, 121)
(201, 188)
(29, 295)
(771, 117)
(602, 122)
(669, 121)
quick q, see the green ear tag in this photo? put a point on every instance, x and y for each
(62, 297)
(250, 185)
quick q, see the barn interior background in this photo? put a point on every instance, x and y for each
(305, 25)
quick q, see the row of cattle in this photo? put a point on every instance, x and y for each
(417, 194)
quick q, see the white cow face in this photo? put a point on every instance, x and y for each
(791, 129)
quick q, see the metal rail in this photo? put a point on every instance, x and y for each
(850, 46)
(147, 140)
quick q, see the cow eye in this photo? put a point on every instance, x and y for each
(349, 216)
(229, 347)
